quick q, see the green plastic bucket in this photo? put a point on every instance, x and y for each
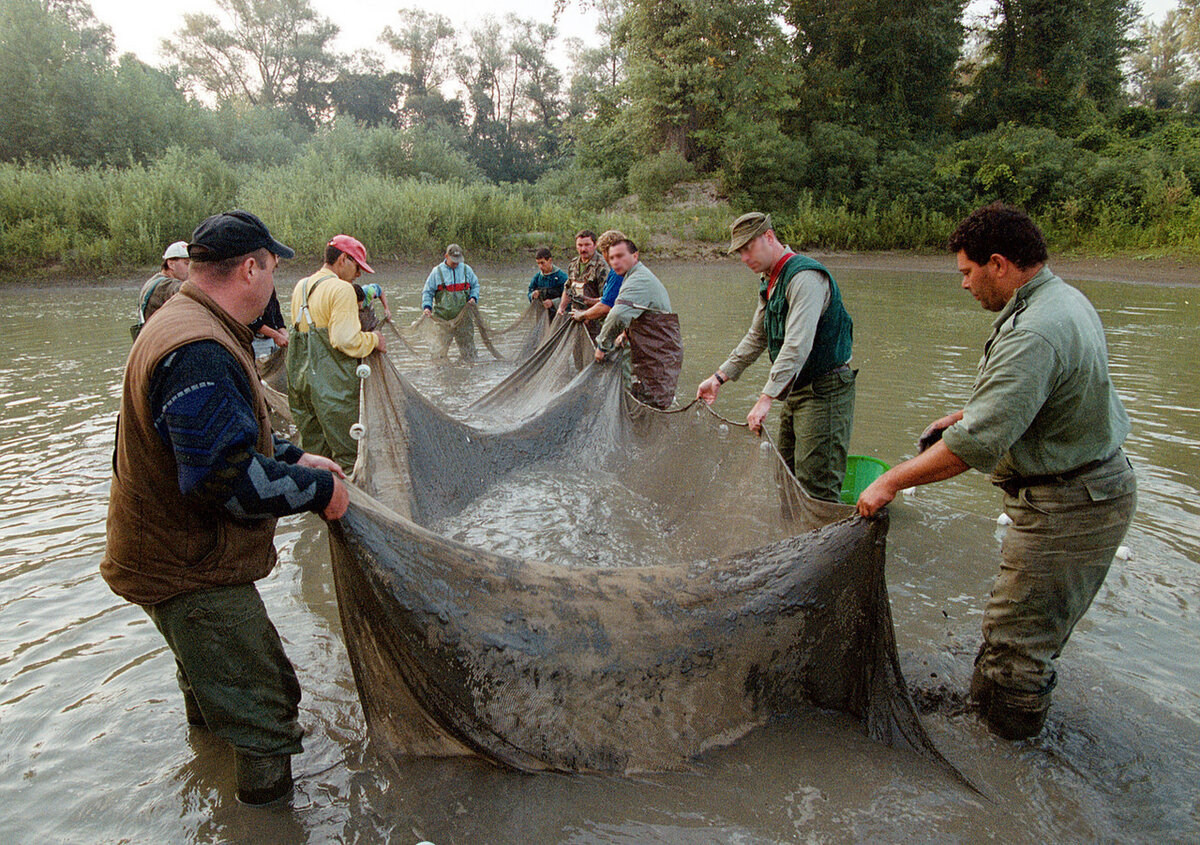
(861, 470)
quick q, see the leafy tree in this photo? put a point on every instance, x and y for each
(63, 97)
(540, 83)
(1052, 62)
(367, 92)
(265, 52)
(95, 39)
(513, 98)
(888, 64)
(598, 64)
(1159, 69)
(424, 42)
(51, 66)
(696, 66)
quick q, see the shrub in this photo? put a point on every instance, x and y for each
(652, 177)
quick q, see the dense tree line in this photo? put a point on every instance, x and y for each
(1077, 107)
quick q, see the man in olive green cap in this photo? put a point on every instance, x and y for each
(801, 323)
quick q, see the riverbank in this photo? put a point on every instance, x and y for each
(1125, 269)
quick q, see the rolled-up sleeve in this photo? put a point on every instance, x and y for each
(1020, 371)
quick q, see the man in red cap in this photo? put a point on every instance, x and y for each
(326, 344)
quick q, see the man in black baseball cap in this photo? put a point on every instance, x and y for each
(231, 234)
(199, 480)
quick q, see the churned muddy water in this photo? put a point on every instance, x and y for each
(93, 744)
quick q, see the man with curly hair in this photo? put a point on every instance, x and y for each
(1045, 421)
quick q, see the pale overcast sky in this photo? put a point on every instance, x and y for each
(140, 26)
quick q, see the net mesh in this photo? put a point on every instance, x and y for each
(562, 578)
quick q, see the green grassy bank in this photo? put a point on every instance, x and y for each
(65, 220)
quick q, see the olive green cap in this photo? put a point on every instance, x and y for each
(746, 228)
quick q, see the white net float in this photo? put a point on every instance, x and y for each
(357, 431)
(363, 371)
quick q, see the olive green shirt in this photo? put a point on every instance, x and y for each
(1043, 402)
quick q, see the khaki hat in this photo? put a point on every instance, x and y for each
(455, 252)
(746, 228)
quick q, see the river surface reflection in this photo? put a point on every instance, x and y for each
(94, 745)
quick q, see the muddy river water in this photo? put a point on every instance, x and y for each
(94, 748)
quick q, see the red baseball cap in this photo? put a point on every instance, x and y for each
(354, 248)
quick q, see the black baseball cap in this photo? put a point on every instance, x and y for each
(233, 233)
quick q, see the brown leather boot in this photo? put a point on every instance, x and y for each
(262, 780)
(1016, 714)
(980, 691)
(191, 710)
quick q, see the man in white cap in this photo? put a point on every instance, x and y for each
(451, 286)
(325, 346)
(165, 283)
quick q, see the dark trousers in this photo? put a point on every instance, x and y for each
(229, 656)
(814, 433)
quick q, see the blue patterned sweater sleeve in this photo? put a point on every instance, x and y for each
(203, 411)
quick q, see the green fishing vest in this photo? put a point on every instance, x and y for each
(835, 329)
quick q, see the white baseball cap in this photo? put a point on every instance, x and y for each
(176, 250)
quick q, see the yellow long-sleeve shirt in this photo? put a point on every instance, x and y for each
(333, 306)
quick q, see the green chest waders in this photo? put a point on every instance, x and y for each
(323, 389)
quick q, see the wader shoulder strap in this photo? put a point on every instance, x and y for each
(308, 289)
(146, 300)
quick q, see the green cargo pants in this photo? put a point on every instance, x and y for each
(1053, 559)
(814, 433)
(229, 657)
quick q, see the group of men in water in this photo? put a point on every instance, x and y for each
(199, 477)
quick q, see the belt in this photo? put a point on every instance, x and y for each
(1012, 486)
(791, 387)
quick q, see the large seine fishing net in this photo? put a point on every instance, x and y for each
(559, 578)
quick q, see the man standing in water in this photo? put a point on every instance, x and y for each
(801, 323)
(165, 283)
(451, 286)
(585, 277)
(324, 349)
(1046, 422)
(198, 482)
(643, 313)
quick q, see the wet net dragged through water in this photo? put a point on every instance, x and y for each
(560, 578)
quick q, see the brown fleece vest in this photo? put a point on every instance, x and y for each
(161, 543)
